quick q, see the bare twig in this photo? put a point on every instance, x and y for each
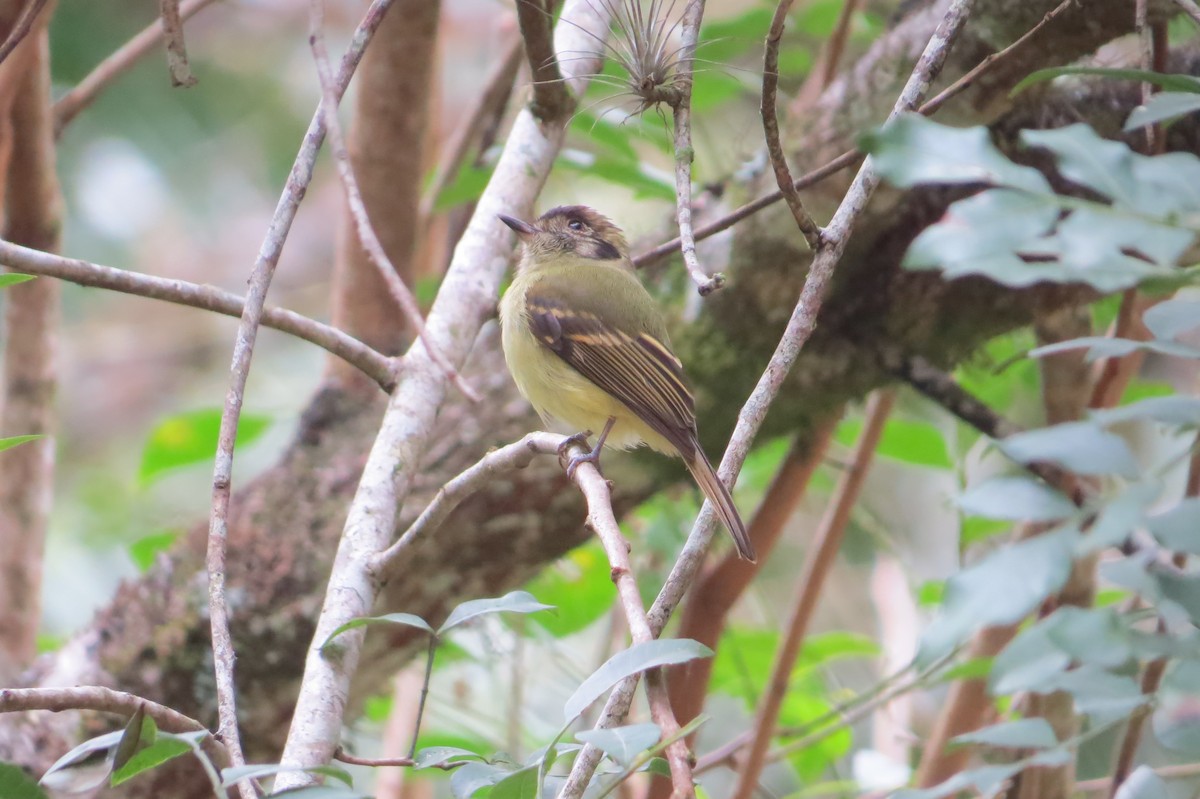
(467, 298)
(67, 107)
(684, 154)
(770, 120)
(397, 762)
(399, 290)
(259, 283)
(208, 298)
(1190, 8)
(851, 157)
(172, 25)
(21, 27)
(550, 94)
(942, 388)
(818, 562)
(98, 698)
(496, 88)
(799, 329)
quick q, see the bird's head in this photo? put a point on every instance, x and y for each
(570, 232)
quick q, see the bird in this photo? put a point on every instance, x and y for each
(587, 346)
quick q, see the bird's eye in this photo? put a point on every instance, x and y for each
(575, 224)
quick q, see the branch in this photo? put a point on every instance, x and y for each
(259, 283)
(467, 298)
(85, 92)
(550, 95)
(770, 120)
(207, 298)
(399, 290)
(818, 562)
(172, 26)
(1190, 8)
(98, 698)
(796, 334)
(21, 28)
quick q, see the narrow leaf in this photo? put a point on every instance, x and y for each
(1080, 447)
(1174, 410)
(1018, 498)
(638, 658)
(1166, 105)
(13, 441)
(164, 749)
(1033, 733)
(13, 278)
(623, 744)
(404, 619)
(252, 771)
(512, 602)
(1179, 83)
(1166, 320)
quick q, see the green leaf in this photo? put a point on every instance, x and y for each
(1017, 498)
(520, 784)
(250, 771)
(1143, 783)
(1170, 318)
(1102, 347)
(1178, 83)
(1000, 589)
(913, 150)
(165, 748)
(139, 731)
(13, 278)
(403, 619)
(1080, 447)
(15, 783)
(635, 659)
(191, 437)
(1176, 528)
(1034, 733)
(512, 602)
(917, 443)
(143, 551)
(85, 767)
(578, 585)
(436, 756)
(470, 778)
(1089, 160)
(13, 441)
(1174, 410)
(1166, 105)
(622, 744)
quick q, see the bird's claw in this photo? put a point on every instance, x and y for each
(588, 457)
(570, 441)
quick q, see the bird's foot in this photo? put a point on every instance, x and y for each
(592, 457)
(570, 441)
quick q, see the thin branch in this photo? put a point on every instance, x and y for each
(496, 88)
(500, 461)
(467, 298)
(550, 95)
(684, 154)
(942, 388)
(851, 157)
(770, 120)
(799, 329)
(98, 698)
(1190, 8)
(384, 762)
(377, 366)
(87, 90)
(259, 283)
(172, 26)
(21, 28)
(818, 563)
(358, 209)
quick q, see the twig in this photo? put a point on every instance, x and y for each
(67, 107)
(496, 88)
(259, 283)
(508, 458)
(467, 298)
(1190, 8)
(550, 94)
(718, 589)
(172, 25)
(799, 329)
(603, 522)
(684, 154)
(384, 762)
(818, 562)
(358, 209)
(943, 389)
(770, 120)
(21, 27)
(377, 366)
(98, 698)
(851, 157)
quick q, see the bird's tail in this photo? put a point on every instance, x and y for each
(718, 495)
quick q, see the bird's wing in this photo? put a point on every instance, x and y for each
(633, 365)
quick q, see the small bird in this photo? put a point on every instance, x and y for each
(586, 345)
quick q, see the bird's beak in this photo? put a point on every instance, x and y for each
(524, 229)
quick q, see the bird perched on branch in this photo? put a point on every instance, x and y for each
(586, 345)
